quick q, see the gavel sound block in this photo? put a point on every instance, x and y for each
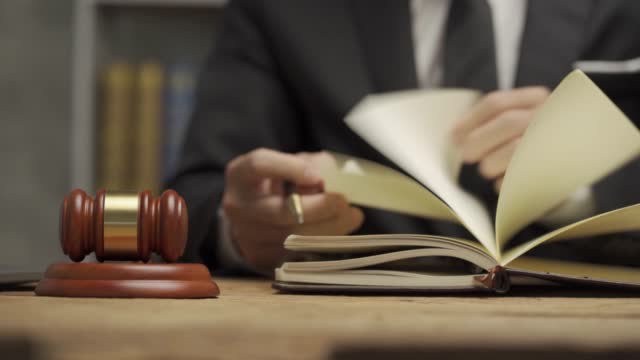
(121, 226)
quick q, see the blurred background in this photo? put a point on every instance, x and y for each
(93, 94)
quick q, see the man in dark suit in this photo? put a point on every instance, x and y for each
(283, 75)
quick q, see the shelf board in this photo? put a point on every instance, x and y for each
(163, 3)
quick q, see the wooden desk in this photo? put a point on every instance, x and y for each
(249, 321)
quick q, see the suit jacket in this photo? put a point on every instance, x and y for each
(283, 75)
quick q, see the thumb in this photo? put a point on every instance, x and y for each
(265, 163)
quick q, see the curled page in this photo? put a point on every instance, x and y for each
(615, 221)
(577, 137)
(412, 128)
(370, 184)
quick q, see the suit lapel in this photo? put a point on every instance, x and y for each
(386, 38)
(551, 41)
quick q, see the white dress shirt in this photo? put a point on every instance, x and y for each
(428, 30)
(428, 26)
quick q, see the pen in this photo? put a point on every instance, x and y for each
(294, 203)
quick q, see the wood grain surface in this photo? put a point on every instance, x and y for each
(250, 321)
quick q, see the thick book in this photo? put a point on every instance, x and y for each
(118, 94)
(179, 100)
(577, 137)
(147, 145)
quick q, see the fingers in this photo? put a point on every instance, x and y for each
(249, 169)
(490, 135)
(344, 223)
(261, 235)
(495, 103)
(256, 208)
(494, 165)
(260, 245)
(272, 210)
(318, 159)
(264, 257)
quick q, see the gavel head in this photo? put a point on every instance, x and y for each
(123, 226)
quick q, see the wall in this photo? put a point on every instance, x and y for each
(35, 50)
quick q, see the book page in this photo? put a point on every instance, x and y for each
(577, 137)
(388, 257)
(368, 183)
(353, 244)
(412, 128)
(383, 278)
(619, 220)
(618, 274)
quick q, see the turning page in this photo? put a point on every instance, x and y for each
(370, 184)
(577, 137)
(412, 128)
(611, 222)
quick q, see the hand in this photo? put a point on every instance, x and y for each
(255, 205)
(489, 133)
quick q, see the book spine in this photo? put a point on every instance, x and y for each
(496, 279)
(180, 97)
(148, 129)
(116, 125)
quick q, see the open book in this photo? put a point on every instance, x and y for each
(577, 137)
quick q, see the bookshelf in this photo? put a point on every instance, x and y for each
(131, 30)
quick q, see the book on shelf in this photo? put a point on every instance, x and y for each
(116, 128)
(179, 100)
(577, 137)
(148, 130)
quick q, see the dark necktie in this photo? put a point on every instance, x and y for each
(469, 61)
(469, 51)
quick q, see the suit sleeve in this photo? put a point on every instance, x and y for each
(241, 104)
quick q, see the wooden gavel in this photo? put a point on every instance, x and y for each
(123, 226)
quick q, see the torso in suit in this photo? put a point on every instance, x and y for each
(284, 74)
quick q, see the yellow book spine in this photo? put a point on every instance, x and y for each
(115, 131)
(148, 130)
